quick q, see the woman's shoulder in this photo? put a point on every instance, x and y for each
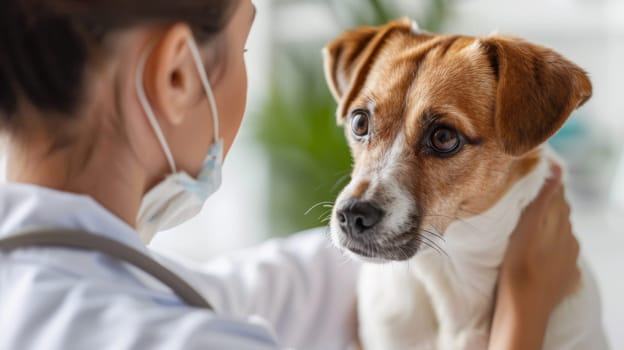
(63, 299)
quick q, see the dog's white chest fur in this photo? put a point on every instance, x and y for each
(438, 301)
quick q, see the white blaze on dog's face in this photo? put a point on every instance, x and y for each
(439, 127)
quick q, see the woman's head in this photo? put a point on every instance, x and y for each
(67, 84)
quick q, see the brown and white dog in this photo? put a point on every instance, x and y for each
(446, 133)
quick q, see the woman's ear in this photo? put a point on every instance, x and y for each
(537, 91)
(171, 79)
(349, 58)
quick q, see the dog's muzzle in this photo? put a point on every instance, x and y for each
(360, 229)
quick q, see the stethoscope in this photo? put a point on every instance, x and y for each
(77, 239)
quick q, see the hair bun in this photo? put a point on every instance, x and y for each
(45, 44)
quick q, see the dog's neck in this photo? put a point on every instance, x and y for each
(476, 246)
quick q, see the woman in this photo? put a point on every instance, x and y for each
(117, 115)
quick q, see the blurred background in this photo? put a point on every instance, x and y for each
(290, 159)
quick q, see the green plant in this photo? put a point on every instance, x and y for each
(307, 151)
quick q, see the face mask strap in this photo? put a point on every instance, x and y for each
(206, 83)
(148, 108)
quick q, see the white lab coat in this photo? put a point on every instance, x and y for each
(291, 293)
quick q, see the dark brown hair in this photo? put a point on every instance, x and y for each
(46, 44)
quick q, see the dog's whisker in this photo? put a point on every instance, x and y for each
(324, 214)
(434, 234)
(317, 205)
(339, 182)
(437, 246)
(430, 245)
(371, 249)
(406, 255)
(420, 241)
(428, 239)
(433, 246)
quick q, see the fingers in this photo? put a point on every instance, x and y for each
(550, 203)
(559, 207)
(576, 248)
(561, 230)
(552, 185)
(544, 242)
(548, 210)
(570, 251)
(575, 276)
(555, 172)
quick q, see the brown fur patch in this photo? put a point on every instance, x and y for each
(361, 187)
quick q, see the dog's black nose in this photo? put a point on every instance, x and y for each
(357, 217)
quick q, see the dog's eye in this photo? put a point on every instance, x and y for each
(359, 124)
(445, 140)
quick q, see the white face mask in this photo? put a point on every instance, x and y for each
(179, 197)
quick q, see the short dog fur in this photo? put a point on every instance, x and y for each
(447, 134)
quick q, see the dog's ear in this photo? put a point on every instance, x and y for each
(537, 91)
(349, 58)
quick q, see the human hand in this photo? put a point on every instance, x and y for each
(538, 272)
(540, 263)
